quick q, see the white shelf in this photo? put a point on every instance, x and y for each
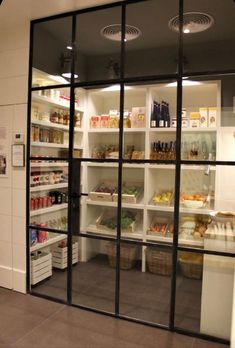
(114, 204)
(60, 146)
(48, 164)
(48, 210)
(46, 100)
(184, 130)
(115, 165)
(161, 166)
(160, 207)
(48, 187)
(49, 242)
(200, 211)
(133, 235)
(189, 242)
(55, 126)
(116, 130)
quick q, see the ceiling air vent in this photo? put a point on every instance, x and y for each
(114, 32)
(193, 22)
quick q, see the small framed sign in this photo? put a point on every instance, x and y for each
(18, 155)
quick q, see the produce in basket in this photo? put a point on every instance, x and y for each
(131, 190)
(105, 189)
(127, 219)
(157, 228)
(164, 197)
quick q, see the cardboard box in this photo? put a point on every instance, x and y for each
(194, 121)
(203, 117)
(138, 117)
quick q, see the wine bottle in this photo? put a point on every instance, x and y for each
(167, 122)
(153, 121)
(161, 122)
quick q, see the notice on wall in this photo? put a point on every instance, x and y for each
(3, 151)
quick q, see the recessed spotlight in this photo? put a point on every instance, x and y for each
(69, 47)
(68, 75)
(193, 22)
(186, 31)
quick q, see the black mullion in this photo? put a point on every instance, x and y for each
(28, 160)
(177, 170)
(41, 88)
(206, 251)
(70, 181)
(120, 165)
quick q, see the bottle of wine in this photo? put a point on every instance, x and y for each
(153, 120)
(167, 122)
(161, 122)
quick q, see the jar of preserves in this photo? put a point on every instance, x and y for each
(54, 117)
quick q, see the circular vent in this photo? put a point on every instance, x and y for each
(114, 32)
(193, 22)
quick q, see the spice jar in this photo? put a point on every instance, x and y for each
(54, 117)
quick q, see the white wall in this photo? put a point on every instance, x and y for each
(14, 52)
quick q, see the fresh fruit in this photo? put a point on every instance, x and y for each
(164, 197)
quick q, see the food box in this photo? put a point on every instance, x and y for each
(162, 198)
(60, 255)
(107, 222)
(203, 117)
(194, 121)
(130, 193)
(212, 117)
(138, 117)
(103, 192)
(40, 266)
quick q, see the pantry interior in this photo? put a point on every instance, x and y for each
(130, 198)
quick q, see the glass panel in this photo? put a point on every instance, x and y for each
(151, 47)
(145, 283)
(204, 294)
(98, 45)
(200, 119)
(132, 201)
(197, 203)
(102, 122)
(48, 263)
(100, 208)
(50, 123)
(94, 276)
(51, 57)
(208, 38)
(227, 101)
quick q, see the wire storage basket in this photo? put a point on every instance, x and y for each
(127, 255)
(159, 261)
(191, 265)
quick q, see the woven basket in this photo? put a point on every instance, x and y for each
(159, 262)
(127, 255)
(191, 265)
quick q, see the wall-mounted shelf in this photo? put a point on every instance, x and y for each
(52, 102)
(55, 126)
(49, 242)
(48, 187)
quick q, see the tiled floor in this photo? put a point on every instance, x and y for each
(30, 322)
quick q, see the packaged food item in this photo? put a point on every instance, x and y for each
(113, 121)
(54, 117)
(95, 122)
(61, 117)
(35, 113)
(77, 120)
(184, 122)
(104, 121)
(212, 117)
(138, 117)
(203, 117)
(45, 116)
(194, 119)
(126, 121)
(174, 122)
(42, 235)
(33, 237)
(66, 120)
(36, 133)
(137, 155)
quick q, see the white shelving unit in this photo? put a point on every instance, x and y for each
(55, 126)
(153, 177)
(52, 102)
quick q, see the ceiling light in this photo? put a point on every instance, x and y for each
(57, 78)
(114, 32)
(69, 47)
(193, 22)
(114, 88)
(185, 83)
(69, 75)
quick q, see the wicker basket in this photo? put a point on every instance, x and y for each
(159, 261)
(191, 265)
(127, 255)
